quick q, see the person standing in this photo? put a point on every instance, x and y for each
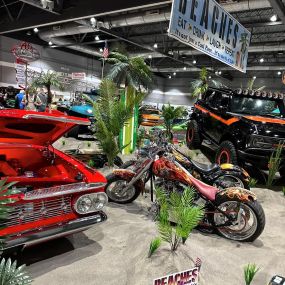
(43, 97)
(31, 101)
(18, 100)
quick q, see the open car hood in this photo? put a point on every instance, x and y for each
(38, 128)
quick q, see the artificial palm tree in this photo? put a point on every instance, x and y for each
(169, 114)
(250, 85)
(111, 114)
(47, 80)
(130, 71)
(136, 76)
(201, 85)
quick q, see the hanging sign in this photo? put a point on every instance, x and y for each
(20, 74)
(79, 75)
(25, 52)
(207, 27)
(189, 277)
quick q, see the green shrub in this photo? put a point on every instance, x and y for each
(11, 274)
(274, 164)
(154, 245)
(177, 216)
(250, 271)
(252, 183)
(91, 163)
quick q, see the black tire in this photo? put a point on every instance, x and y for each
(193, 137)
(226, 153)
(255, 207)
(239, 178)
(112, 178)
(73, 133)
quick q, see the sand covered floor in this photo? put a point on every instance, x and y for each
(116, 252)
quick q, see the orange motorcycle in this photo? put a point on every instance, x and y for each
(234, 212)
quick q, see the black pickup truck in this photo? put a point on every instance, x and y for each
(246, 125)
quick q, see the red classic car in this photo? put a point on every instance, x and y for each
(57, 194)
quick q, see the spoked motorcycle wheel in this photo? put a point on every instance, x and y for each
(229, 180)
(116, 193)
(249, 220)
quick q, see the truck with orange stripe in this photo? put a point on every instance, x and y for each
(245, 125)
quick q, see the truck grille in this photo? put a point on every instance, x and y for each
(38, 210)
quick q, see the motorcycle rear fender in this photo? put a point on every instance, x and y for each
(231, 167)
(128, 175)
(239, 194)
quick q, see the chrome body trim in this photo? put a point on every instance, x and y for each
(27, 238)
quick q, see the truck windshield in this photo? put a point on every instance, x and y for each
(256, 106)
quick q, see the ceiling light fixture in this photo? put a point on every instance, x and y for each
(273, 18)
(210, 77)
(194, 61)
(184, 68)
(220, 72)
(155, 45)
(97, 38)
(92, 20)
(50, 43)
(261, 60)
(101, 50)
(36, 30)
(279, 72)
(150, 57)
(254, 77)
(174, 73)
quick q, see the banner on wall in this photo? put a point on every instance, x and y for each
(20, 74)
(207, 27)
(79, 75)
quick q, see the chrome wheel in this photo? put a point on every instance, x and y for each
(245, 221)
(117, 193)
(227, 181)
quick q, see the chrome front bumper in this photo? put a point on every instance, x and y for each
(53, 232)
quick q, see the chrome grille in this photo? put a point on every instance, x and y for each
(40, 210)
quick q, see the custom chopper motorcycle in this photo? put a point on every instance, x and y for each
(233, 212)
(221, 176)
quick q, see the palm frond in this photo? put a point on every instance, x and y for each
(10, 274)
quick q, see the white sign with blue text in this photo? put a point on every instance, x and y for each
(207, 27)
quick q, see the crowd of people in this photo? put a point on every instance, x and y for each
(25, 99)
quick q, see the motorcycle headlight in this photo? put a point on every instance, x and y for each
(90, 203)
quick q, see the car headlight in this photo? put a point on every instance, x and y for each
(90, 203)
(100, 201)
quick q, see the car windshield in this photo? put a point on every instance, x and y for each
(261, 107)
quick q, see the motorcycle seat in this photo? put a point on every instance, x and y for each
(206, 168)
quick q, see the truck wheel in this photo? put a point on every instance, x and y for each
(226, 153)
(193, 138)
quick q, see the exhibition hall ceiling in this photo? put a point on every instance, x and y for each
(141, 27)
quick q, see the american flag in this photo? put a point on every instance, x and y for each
(198, 263)
(106, 50)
